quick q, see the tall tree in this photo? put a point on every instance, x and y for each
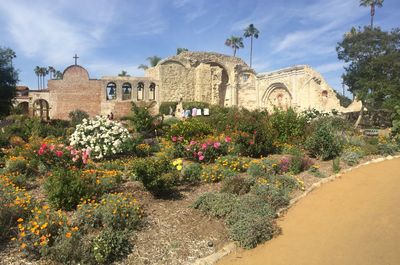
(143, 66)
(58, 75)
(373, 67)
(37, 72)
(8, 80)
(235, 43)
(52, 71)
(372, 4)
(251, 32)
(153, 60)
(123, 73)
(180, 50)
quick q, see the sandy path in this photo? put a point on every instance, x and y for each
(354, 220)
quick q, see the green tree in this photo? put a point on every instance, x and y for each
(180, 50)
(235, 43)
(37, 72)
(153, 60)
(143, 66)
(372, 4)
(251, 32)
(52, 71)
(372, 73)
(123, 73)
(8, 80)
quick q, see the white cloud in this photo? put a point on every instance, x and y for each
(329, 67)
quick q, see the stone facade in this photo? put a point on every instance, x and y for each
(190, 76)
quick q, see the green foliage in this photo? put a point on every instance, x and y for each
(216, 173)
(263, 167)
(289, 125)
(156, 173)
(396, 121)
(65, 188)
(195, 104)
(336, 165)
(235, 163)
(297, 161)
(77, 116)
(190, 128)
(352, 156)
(191, 172)
(343, 100)
(168, 108)
(236, 185)
(323, 143)
(372, 70)
(180, 50)
(8, 80)
(141, 119)
(216, 204)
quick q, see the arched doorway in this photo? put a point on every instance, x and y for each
(41, 109)
(23, 108)
(277, 96)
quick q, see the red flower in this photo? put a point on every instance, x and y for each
(59, 153)
(228, 139)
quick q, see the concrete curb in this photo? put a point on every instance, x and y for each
(213, 258)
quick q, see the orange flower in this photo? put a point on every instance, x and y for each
(23, 245)
(68, 235)
(75, 228)
(20, 220)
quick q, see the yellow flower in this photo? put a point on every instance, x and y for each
(68, 235)
(23, 245)
(75, 228)
(20, 220)
(179, 167)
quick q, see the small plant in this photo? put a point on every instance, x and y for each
(351, 157)
(314, 170)
(216, 204)
(191, 172)
(336, 165)
(263, 167)
(235, 163)
(216, 173)
(236, 185)
(323, 143)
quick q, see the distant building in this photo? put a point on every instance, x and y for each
(190, 76)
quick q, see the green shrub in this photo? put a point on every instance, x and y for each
(351, 158)
(156, 173)
(216, 172)
(114, 211)
(289, 125)
(297, 161)
(195, 104)
(236, 185)
(77, 116)
(323, 143)
(65, 188)
(235, 163)
(273, 195)
(250, 221)
(189, 129)
(71, 250)
(167, 107)
(336, 165)
(216, 204)
(191, 172)
(110, 246)
(16, 165)
(263, 167)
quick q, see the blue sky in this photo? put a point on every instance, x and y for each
(110, 36)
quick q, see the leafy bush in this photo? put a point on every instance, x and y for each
(205, 151)
(336, 165)
(167, 108)
(235, 163)
(16, 164)
(323, 143)
(156, 173)
(236, 185)
(351, 157)
(191, 172)
(189, 129)
(216, 172)
(114, 211)
(216, 204)
(289, 125)
(296, 162)
(111, 245)
(77, 116)
(271, 194)
(195, 104)
(263, 167)
(103, 136)
(142, 120)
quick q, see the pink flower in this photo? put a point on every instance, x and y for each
(251, 142)
(217, 145)
(204, 146)
(200, 153)
(41, 151)
(228, 139)
(192, 142)
(43, 146)
(180, 138)
(59, 153)
(52, 147)
(201, 158)
(174, 138)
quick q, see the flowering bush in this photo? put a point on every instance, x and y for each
(116, 211)
(207, 150)
(263, 167)
(216, 173)
(103, 136)
(14, 204)
(235, 163)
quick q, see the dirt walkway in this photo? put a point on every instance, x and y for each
(352, 220)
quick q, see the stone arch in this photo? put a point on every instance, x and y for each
(219, 83)
(126, 91)
(41, 109)
(152, 91)
(111, 91)
(172, 62)
(23, 107)
(277, 95)
(140, 91)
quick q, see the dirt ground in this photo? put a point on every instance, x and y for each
(352, 220)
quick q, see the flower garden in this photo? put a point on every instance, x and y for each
(97, 191)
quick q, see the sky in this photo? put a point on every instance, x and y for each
(110, 36)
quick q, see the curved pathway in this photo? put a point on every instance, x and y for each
(354, 220)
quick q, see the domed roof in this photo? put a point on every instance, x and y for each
(75, 71)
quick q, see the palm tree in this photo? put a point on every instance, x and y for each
(44, 73)
(372, 4)
(143, 66)
(37, 72)
(123, 73)
(153, 60)
(58, 75)
(251, 32)
(52, 71)
(235, 43)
